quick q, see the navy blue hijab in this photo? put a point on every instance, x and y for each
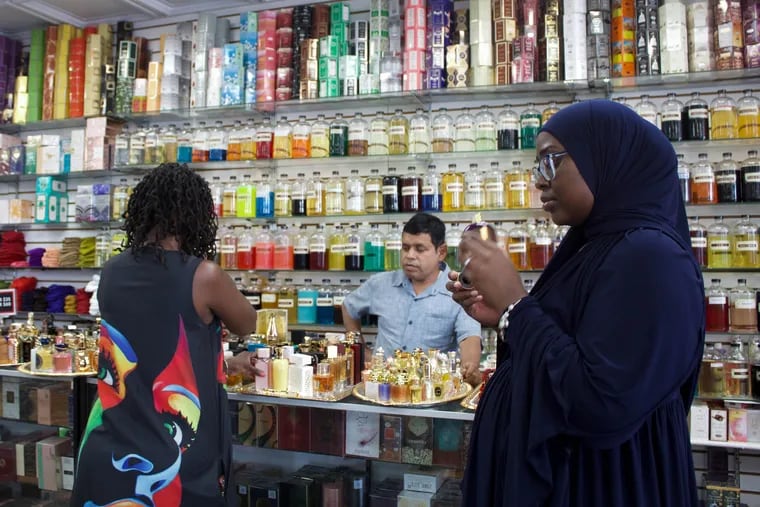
(518, 450)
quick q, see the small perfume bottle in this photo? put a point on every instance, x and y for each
(62, 359)
(41, 358)
(262, 364)
(324, 381)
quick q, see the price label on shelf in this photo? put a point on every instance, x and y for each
(7, 302)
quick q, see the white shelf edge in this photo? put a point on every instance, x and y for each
(750, 446)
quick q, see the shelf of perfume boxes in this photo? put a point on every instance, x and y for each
(681, 81)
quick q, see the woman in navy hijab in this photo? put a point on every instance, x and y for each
(598, 364)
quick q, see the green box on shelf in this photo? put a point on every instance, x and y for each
(51, 207)
(339, 13)
(329, 87)
(328, 68)
(329, 47)
(339, 31)
(50, 184)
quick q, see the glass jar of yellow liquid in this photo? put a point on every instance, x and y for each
(453, 189)
(373, 192)
(270, 295)
(229, 198)
(335, 195)
(719, 245)
(378, 134)
(749, 116)
(496, 198)
(517, 245)
(746, 244)
(315, 196)
(282, 200)
(398, 134)
(549, 111)
(283, 139)
(286, 300)
(475, 194)
(248, 141)
(336, 257)
(517, 183)
(724, 121)
(320, 138)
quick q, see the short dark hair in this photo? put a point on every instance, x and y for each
(172, 200)
(425, 223)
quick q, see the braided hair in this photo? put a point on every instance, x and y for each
(171, 200)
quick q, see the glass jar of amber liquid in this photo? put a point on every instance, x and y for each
(742, 314)
(711, 376)
(716, 308)
(373, 192)
(746, 244)
(324, 381)
(724, 119)
(704, 188)
(719, 245)
(453, 189)
(400, 391)
(736, 371)
(517, 183)
(517, 246)
(540, 246)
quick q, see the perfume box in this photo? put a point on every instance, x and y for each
(450, 495)
(448, 441)
(11, 403)
(264, 493)
(391, 432)
(423, 480)
(53, 405)
(414, 499)
(753, 425)
(26, 452)
(299, 492)
(418, 441)
(7, 461)
(386, 493)
(293, 428)
(49, 452)
(245, 416)
(266, 425)
(737, 424)
(67, 472)
(363, 434)
(699, 420)
(328, 432)
(28, 401)
(718, 425)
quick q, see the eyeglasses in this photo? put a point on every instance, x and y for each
(547, 166)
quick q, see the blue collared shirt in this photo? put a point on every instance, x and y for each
(406, 320)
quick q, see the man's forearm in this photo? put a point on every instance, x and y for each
(350, 323)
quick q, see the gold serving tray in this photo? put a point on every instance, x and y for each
(7, 365)
(464, 390)
(251, 389)
(26, 368)
(470, 402)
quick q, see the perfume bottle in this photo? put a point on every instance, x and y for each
(41, 356)
(419, 133)
(698, 237)
(716, 308)
(354, 194)
(262, 380)
(719, 245)
(746, 244)
(378, 135)
(736, 371)
(320, 138)
(442, 132)
(728, 179)
(338, 136)
(398, 134)
(485, 131)
(301, 139)
(62, 359)
(358, 136)
(464, 132)
(283, 139)
(742, 313)
(373, 192)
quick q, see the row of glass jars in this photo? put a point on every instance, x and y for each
(727, 181)
(381, 134)
(530, 246)
(721, 246)
(696, 120)
(733, 310)
(390, 193)
(730, 372)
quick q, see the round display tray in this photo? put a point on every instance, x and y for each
(251, 389)
(25, 368)
(470, 402)
(10, 365)
(464, 390)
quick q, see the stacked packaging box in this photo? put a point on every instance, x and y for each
(126, 72)
(302, 20)
(10, 59)
(751, 25)
(284, 45)
(458, 52)
(438, 37)
(203, 92)
(21, 100)
(348, 69)
(358, 46)
(66, 32)
(93, 75)
(524, 46)
(391, 62)
(415, 37)
(729, 35)
(155, 71)
(100, 135)
(266, 70)
(549, 43)
(233, 86)
(623, 38)
(674, 45)
(77, 61)
(648, 38)
(700, 25)
(574, 39)
(481, 43)
(379, 44)
(48, 76)
(309, 69)
(329, 53)
(249, 38)
(504, 33)
(36, 71)
(598, 39)
(177, 64)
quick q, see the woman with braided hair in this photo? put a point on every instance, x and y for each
(159, 433)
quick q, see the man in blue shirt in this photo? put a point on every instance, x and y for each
(413, 307)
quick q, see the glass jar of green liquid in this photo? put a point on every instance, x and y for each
(374, 250)
(718, 245)
(485, 131)
(530, 124)
(393, 249)
(453, 237)
(338, 136)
